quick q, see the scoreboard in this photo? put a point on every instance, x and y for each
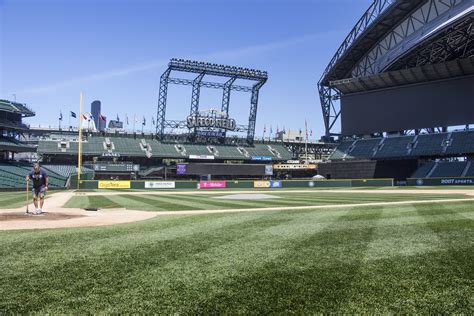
(116, 167)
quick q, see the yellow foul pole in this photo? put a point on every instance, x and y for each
(79, 148)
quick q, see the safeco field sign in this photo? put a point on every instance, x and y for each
(114, 184)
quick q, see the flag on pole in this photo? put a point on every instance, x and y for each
(118, 119)
(306, 127)
(84, 117)
(60, 115)
(101, 117)
(310, 132)
(300, 132)
(73, 114)
(144, 121)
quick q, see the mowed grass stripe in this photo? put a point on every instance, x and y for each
(172, 251)
(297, 270)
(196, 202)
(231, 260)
(430, 270)
(272, 262)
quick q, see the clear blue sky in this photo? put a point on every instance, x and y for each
(115, 51)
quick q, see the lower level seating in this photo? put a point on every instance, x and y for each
(449, 169)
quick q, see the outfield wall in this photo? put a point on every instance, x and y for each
(205, 185)
(440, 181)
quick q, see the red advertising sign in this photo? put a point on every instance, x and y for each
(212, 184)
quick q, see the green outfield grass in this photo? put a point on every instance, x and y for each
(175, 202)
(392, 259)
(16, 199)
(12, 199)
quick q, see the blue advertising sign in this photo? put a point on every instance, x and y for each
(261, 158)
(276, 184)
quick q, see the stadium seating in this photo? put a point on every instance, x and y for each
(135, 147)
(448, 169)
(65, 171)
(469, 172)
(363, 148)
(424, 170)
(435, 145)
(445, 169)
(341, 150)
(13, 175)
(461, 142)
(394, 147)
(428, 145)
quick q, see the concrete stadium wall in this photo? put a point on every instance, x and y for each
(164, 185)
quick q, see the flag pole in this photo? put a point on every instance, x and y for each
(79, 148)
(306, 140)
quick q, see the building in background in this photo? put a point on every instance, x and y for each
(95, 110)
(115, 124)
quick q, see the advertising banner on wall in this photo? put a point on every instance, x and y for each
(212, 184)
(261, 184)
(261, 158)
(441, 181)
(201, 157)
(294, 166)
(114, 185)
(267, 184)
(268, 170)
(160, 185)
(181, 168)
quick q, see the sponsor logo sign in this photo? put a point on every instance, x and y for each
(107, 154)
(456, 181)
(160, 185)
(261, 184)
(261, 158)
(276, 184)
(211, 122)
(267, 184)
(294, 166)
(114, 184)
(212, 184)
(210, 134)
(203, 157)
(181, 168)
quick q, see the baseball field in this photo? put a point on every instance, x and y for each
(252, 252)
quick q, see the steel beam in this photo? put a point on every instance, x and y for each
(162, 96)
(253, 111)
(207, 84)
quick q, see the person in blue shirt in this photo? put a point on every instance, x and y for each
(40, 185)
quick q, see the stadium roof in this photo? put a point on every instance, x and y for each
(428, 72)
(14, 107)
(380, 18)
